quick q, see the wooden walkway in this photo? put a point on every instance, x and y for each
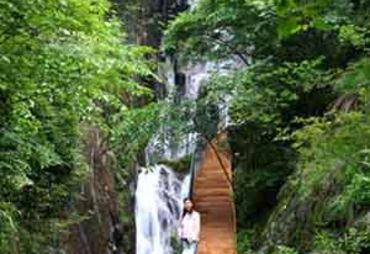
(213, 199)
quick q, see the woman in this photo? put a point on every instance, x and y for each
(189, 229)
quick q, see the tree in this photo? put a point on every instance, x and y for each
(63, 65)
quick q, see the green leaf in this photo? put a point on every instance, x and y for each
(288, 26)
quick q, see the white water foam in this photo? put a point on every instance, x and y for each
(159, 196)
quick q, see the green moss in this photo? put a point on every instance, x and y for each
(181, 165)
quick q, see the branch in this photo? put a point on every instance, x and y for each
(232, 49)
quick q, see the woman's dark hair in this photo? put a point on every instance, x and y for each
(184, 212)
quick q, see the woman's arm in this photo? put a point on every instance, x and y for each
(197, 223)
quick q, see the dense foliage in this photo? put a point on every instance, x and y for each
(64, 68)
(300, 114)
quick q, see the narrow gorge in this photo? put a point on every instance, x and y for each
(114, 111)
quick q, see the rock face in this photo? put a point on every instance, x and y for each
(146, 19)
(213, 199)
(106, 226)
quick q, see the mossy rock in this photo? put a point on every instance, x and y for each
(176, 245)
(181, 166)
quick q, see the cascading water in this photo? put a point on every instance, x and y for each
(159, 197)
(197, 75)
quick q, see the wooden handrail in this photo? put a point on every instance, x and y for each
(215, 167)
(193, 165)
(192, 175)
(219, 159)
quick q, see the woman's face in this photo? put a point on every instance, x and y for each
(188, 205)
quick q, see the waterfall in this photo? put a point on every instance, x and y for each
(159, 196)
(159, 191)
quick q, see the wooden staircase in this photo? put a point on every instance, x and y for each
(213, 199)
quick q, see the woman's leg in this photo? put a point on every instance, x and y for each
(185, 246)
(193, 247)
